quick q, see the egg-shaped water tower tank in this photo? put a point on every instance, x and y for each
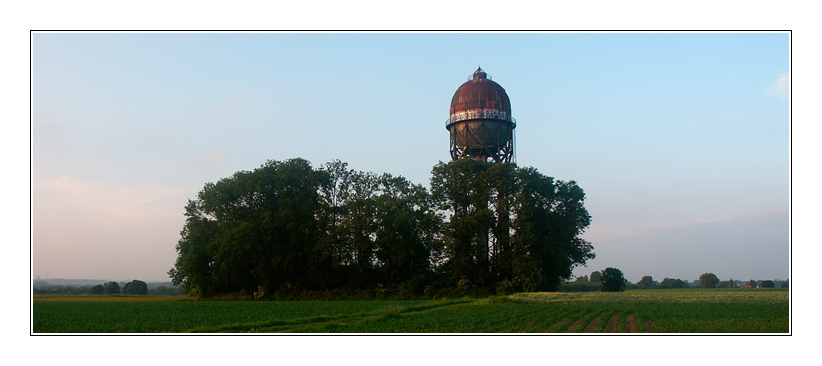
(480, 121)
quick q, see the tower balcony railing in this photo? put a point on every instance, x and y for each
(479, 114)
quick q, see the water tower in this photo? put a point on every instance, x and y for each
(480, 122)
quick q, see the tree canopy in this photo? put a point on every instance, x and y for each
(135, 287)
(510, 224)
(708, 280)
(287, 226)
(647, 282)
(613, 280)
(596, 277)
(111, 288)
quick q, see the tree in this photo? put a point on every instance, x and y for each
(549, 219)
(613, 280)
(678, 283)
(708, 280)
(768, 284)
(376, 229)
(406, 228)
(596, 277)
(136, 287)
(666, 283)
(287, 226)
(646, 282)
(111, 288)
(509, 224)
(97, 289)
(253, 230)
(463, 188)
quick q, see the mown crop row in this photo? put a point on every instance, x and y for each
(674, 311)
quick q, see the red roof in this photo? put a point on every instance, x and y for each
(480, 93)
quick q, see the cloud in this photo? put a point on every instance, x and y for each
(105, 202)
(780, 88)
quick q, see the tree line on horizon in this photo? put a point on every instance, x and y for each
(135, 287)
(287, 226)
(706, 280)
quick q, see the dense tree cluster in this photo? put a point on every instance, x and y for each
(613, 280)
(135, 287)
(583, 283)
(647, 282)
(287, 226)
(110, 288)
(708, 280)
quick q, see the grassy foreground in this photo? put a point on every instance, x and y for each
(638, 311)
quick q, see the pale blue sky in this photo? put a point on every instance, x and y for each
(680, 140)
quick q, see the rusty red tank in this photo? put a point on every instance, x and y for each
(480, 121)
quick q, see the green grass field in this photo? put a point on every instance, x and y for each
(638, 311)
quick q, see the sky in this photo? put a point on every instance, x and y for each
(680, 140)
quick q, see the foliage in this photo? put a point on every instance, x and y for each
(165, 291)
(509, 223)
(299, 228)
(672, 283)
(99, 289)
(677, 283)
(287, 227)
(708, 280)
(613, 280)
(647, 282)
(768, 284)
(111, 288)
(253, 229)
(135, 287)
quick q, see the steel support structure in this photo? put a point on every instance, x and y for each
(482, 139)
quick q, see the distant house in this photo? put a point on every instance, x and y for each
(745, 285)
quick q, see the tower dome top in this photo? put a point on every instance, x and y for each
(479, 74)
(480, 93)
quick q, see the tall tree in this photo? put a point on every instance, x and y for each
(111, 288)
(510, 223)
(596, 277)
(407, 228)
(613, 280)
(136, 287)
(287, 226)
(646, 282)
(550, 217)
(708, 280)
(253, 230)
(462, 188)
